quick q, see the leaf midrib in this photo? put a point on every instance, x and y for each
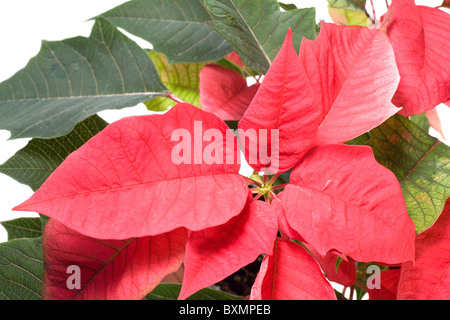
(419, 162)
(130, 186)
(108, 95)
(106, 263)
(251, 31)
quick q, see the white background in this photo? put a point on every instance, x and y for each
(24, 23)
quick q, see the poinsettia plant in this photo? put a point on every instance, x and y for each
(332, 118)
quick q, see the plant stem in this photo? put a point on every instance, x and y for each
(273, 179)
(373, 10)
(257, 197)
(280, 186)
(254, 190)
(251, 181)
(352, 290)
(283, 235)
(272, 196)
(360, 284)
(170, 95)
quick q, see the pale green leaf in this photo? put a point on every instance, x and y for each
(420, 162)
(182, 79)
(354, 5)
(349, 17)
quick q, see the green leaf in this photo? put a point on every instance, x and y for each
(170, 291)
(33, 164)
(176, 28)
(349, 17)
(256, 28)
(21, 269)
(182, 79)
(23, 228)
(44, 220)
(287, 6)
(339, 260)
(360, 140)
(421, 164)
(72, 79)
(354, 5)
(422, 121)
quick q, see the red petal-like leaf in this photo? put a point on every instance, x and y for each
(126, 181)
(420, 36)
(215, 253)
(429, 277)
(107, 269)
(284, 103)
(224, 92)
(344, 274)
(340, 198)
(354, 75)
(388, 288)
(234, 58)
(283, 225)
(435, 121)
(291, 274)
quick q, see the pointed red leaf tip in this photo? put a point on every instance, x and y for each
(340, 198)
(346, 271)
(282, 120)
(291, 274)
(215, 253)
(283, 225)
(420, 36)
(140, 176)
(354, 76)
(435, 121)
(77, 267)
(234, 58)
(224, 92)
(429, 277)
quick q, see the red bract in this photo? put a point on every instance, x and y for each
(429, 277)
(340, 198)
(343, 273)
(388, 286)
(224, 92)
(125, 181)
(108, 269)
(354, 76)
(234, 58)
(215, 253)
(420, 36)
(435, 121)
(165, 186)
(291, 273)
(284, 95)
